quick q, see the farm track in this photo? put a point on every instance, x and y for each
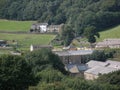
(18, 32)
(21, 32)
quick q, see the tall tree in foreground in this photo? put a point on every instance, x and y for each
(15, 74)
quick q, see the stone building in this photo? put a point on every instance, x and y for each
(73, 57)
(96, 68)
(110, 43)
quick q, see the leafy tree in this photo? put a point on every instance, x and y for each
(50, 75)
(98, 55)
(67, 35)
(101, 14)
(90, 32)
(42, 59)
(15, 73)
(111, 78)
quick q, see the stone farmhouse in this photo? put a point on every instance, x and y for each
(110, 43)
(54, 28)
(73, 56)
(96, 68)
(45, 28)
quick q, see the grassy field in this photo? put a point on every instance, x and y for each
(110, 33)
(13, 26)
(25, 40)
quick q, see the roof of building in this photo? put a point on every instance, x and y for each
(108, 42)
(54, 26)
(100, 70)
(93, 63)
(76, 52)
(97, 67)
(2, 40)
(114, 64)
(40, 24)
(75, 68)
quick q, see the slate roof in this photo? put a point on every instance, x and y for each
(100, 70)
(93, 63)
(97, 67)
(77, 52)
(108, 42)
(54, 26)
(75, 68)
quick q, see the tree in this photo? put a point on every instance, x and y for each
(98, 55)
(67, 35)
(112, 78)
(91, 34)
(15, 74)
(42, 59)
(50, 75)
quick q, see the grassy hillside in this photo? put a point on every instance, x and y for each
(11, 26)
(110, 33)
(25, 40)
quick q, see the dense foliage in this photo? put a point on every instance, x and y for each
(19, 72)
(42, 59)
(15, 73)
(43, 70)
(71, 83)
(80, 14)
(111, 78)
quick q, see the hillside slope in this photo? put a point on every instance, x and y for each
(78, 13)
(15, 26)
(110, 33)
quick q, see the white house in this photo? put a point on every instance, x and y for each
(96, 68)
(39, 27)
(42, 27)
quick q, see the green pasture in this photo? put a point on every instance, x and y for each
(25, 40)
(110, 33)
(15, 26)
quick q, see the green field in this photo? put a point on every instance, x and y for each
(110, 33)
(25, 40)
(15, 26)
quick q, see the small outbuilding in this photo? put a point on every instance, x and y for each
(37, 47)
(3, 43)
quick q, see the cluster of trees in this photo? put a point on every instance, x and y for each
(111, 78)
(43, 70)
(75, 84)
(100, 55)
(82, 15)
(19, 72)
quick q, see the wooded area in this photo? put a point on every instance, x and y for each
(45, 71)
(80, 15)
